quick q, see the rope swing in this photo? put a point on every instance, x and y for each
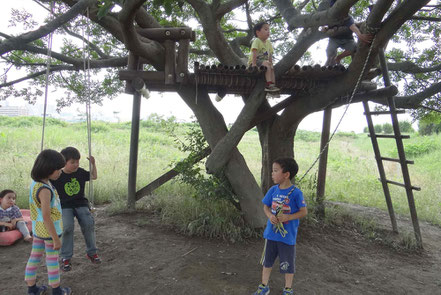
(87, 84)
(48, 69)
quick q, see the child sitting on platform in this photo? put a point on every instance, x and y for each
(10, 215)
(261, 54)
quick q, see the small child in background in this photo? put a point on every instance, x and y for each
(262, 54)
(70, 186)
(47, 225)
(10, 215)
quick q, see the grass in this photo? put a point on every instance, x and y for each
(351, 175)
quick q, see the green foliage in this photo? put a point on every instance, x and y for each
(424, 146)
(206, 186)
(308, 136)
(406, 127)
(206, 218)
(387, 128)
(429, 124)
(378, 128)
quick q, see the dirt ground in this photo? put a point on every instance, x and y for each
(142, 257)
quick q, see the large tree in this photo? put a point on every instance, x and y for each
(224, 36)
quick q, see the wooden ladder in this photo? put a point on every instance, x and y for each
(401, 156)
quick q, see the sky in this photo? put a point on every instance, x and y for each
(120, 108)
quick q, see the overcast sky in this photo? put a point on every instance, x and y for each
(170, 104)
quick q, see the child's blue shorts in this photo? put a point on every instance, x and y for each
(286, 253)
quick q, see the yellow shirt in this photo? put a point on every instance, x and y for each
(264, 50)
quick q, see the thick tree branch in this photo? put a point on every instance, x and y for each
(411, 68)
(428, 18)
(151, 51)
(227, 7)
(54, 68)
(18, 42)
(328, 17)
(414, 101)
(213, 32)
(94, 64)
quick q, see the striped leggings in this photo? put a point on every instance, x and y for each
(53, 269)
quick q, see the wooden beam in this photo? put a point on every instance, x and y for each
(148, 189)
(182, 62)
(162, 34)
(170, 61)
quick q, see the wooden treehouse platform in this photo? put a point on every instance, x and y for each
(236, 79)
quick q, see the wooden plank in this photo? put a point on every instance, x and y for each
(148, 189)
(182, 62)
(170, 61)
(162, 34)
(145, 75)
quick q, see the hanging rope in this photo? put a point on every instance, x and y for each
(48, 69)
(357, 85)
(86, 68)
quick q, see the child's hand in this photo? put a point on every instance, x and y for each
(274, 219)
(92, 160)
(283, 218)
(57, 244)
(14, 223)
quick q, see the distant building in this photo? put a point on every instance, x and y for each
(13, 111)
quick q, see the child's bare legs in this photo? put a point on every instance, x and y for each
(21, 226)
(269, 74)
(288, 280)
(266, 272)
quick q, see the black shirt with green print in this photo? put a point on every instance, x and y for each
(70, 188)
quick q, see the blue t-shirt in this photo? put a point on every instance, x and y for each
(277, 199)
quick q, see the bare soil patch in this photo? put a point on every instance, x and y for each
(141, 256)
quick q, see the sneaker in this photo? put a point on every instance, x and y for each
(271, 88)
(66, 265)
(42, 290)
(288, 291)
(262, 290)
(94, 258)
(66, 291)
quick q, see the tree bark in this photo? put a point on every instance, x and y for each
(276, 142)
(240, 177)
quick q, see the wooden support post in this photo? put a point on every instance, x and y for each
(134, 140)
(321, 180)
(182, 63)
(170, 61)
(148, 189)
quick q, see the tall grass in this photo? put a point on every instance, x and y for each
(351, 175)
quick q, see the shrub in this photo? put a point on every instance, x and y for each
(387, 128)
(421, 147)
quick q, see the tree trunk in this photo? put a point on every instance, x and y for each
(276, 142)
(240, 177)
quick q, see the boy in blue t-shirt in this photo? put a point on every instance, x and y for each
(284, 206)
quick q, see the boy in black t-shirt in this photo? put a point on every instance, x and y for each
(70, 187)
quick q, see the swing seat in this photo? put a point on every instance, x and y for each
(10, 237)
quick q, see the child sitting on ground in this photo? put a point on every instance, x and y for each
(10, 215)
(284, 206)
(262, 54)
(70, 186)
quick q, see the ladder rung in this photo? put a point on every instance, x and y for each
(386, 112)
(402, 185)
(390, 136)
(396, 160)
